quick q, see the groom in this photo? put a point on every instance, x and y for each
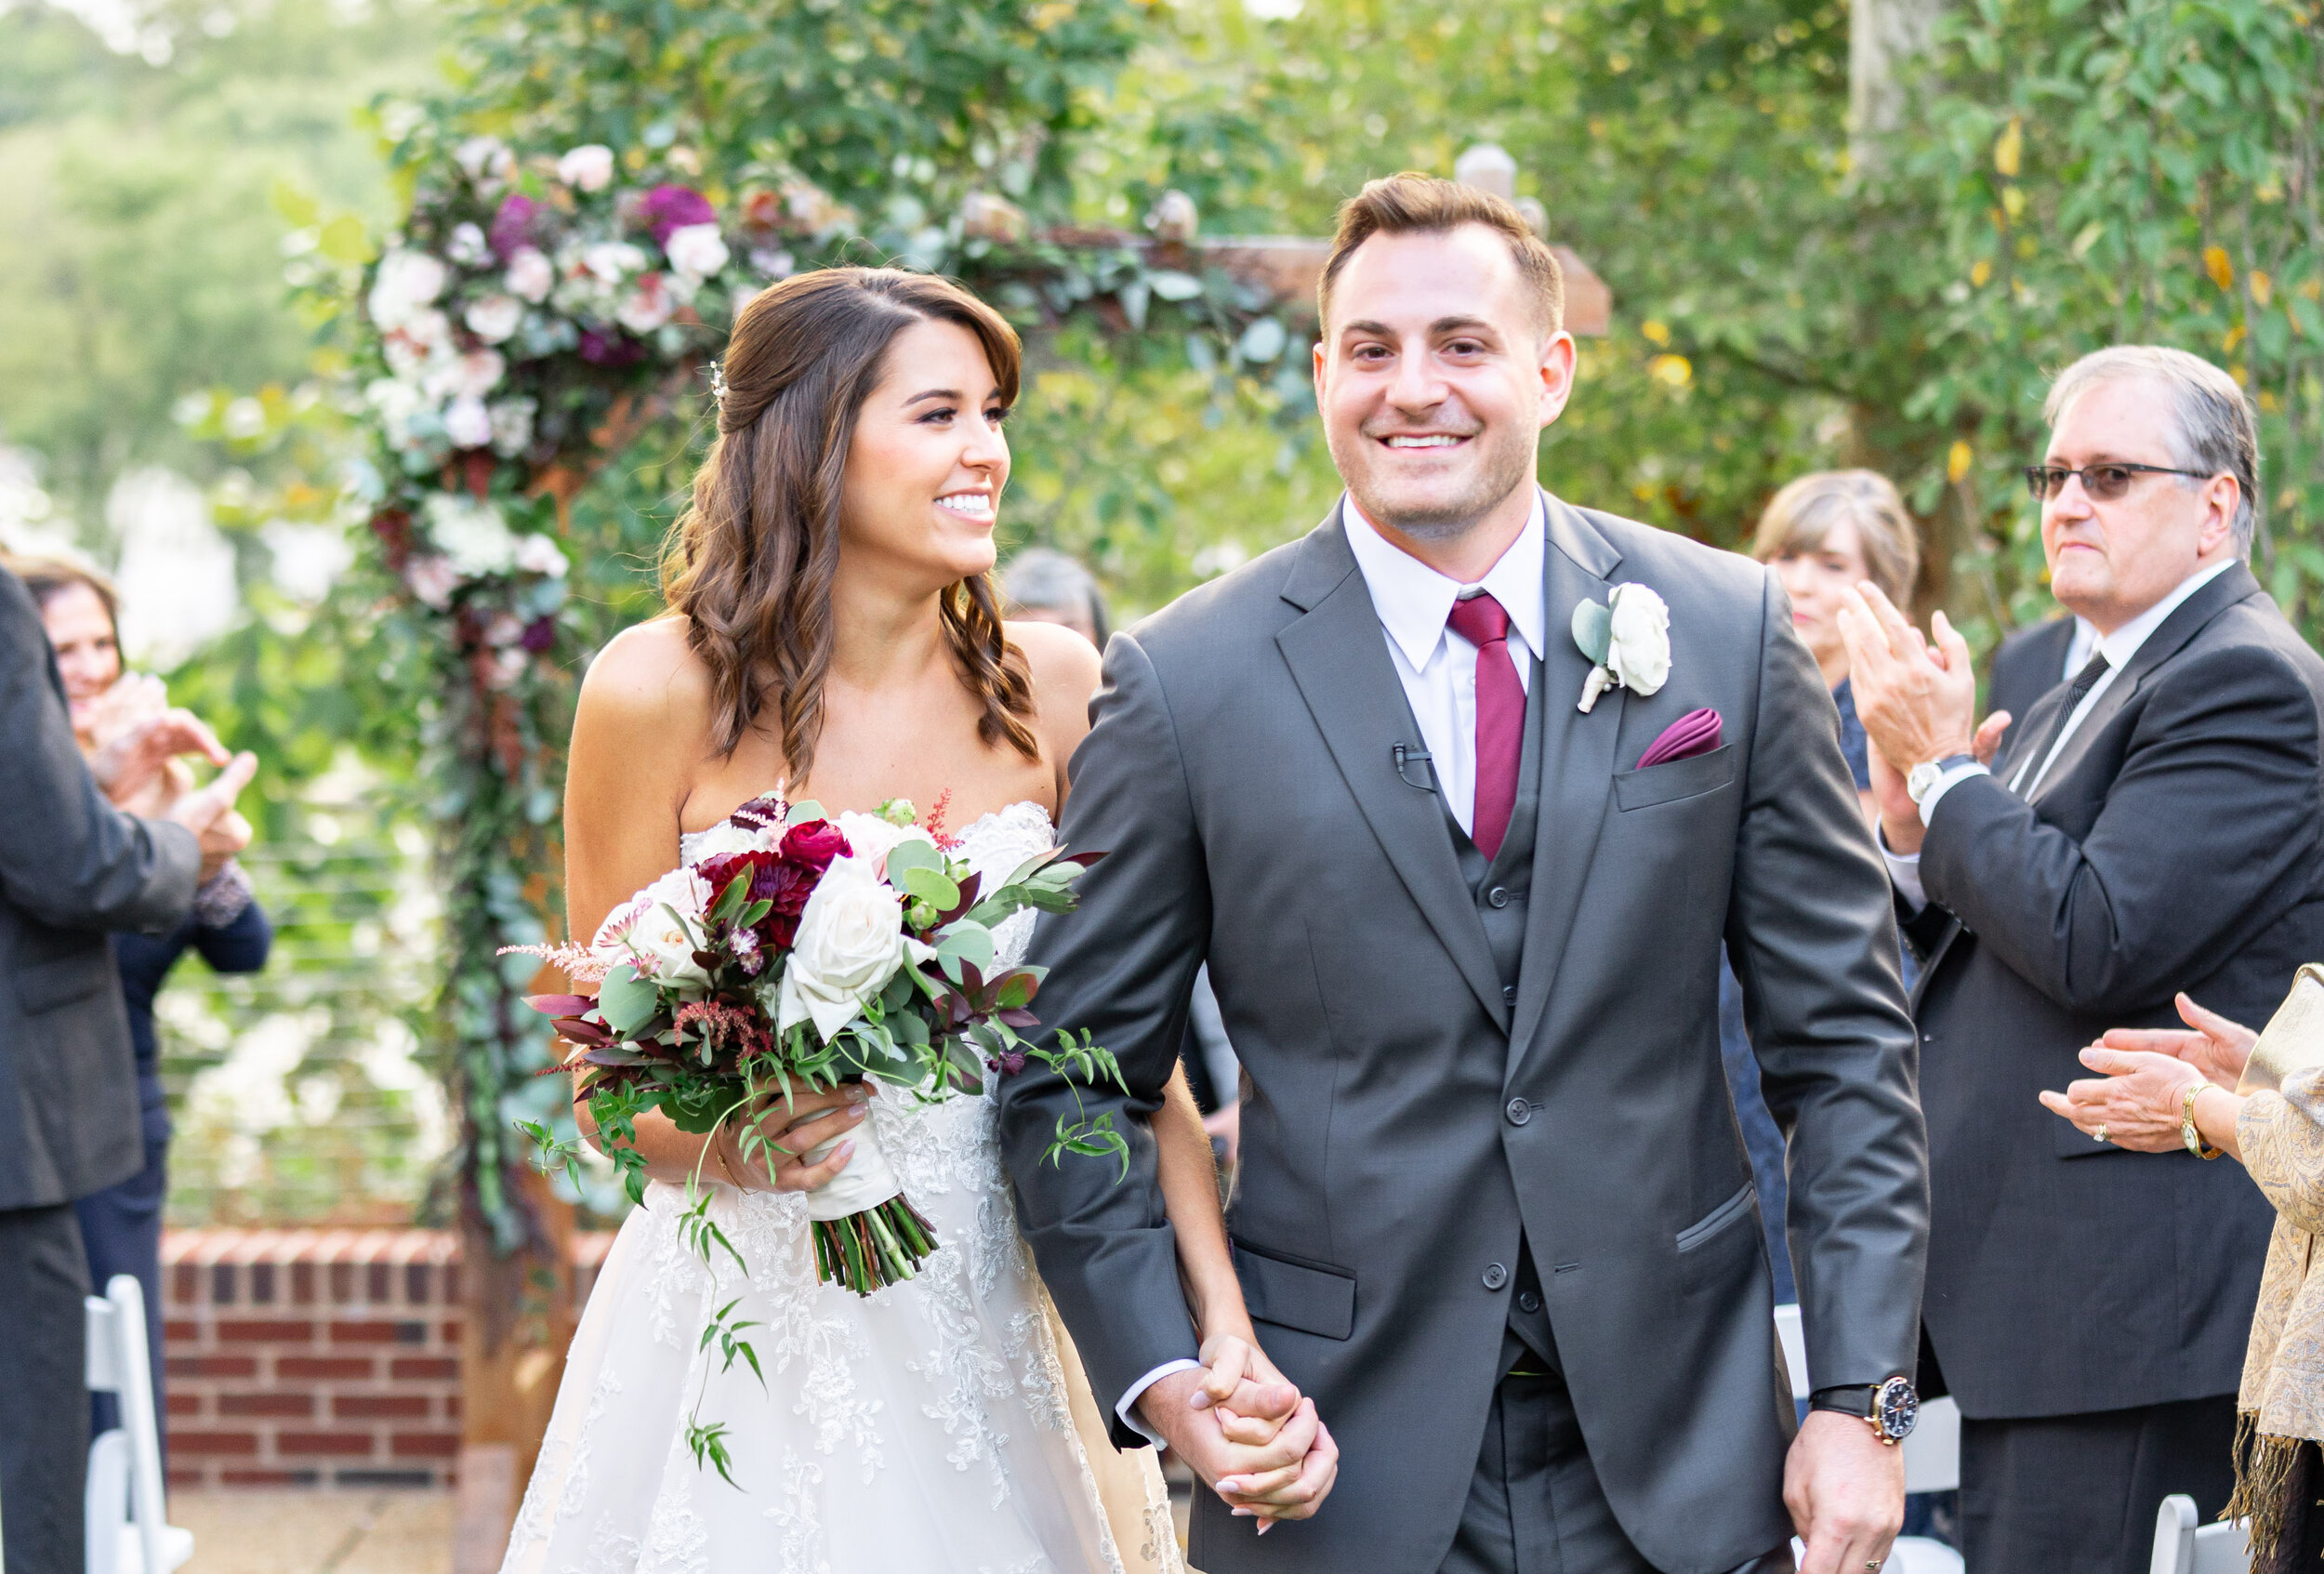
(1494, 1218)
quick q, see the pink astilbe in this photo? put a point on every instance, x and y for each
(934, 824)
(722, 1027)
(576, 962)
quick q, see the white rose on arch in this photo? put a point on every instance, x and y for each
(589, 167)
(406, 282)
(1628, 639)
(529, 275)
(695, 250)
(850, 942)
(647, 306)
(493, 318)
(467, 423)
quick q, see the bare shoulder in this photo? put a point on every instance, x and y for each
(1063, 663)
(1065, 670)
(648, 675)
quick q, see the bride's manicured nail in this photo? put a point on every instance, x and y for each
(845, 1148)
(1265, 1525)
(1245, 1513)
(855, 1112)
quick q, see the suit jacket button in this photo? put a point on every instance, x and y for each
(1519, 1112)
(1498, 896)
(1495, 1275)
(1528, 1301)
(1509, 994)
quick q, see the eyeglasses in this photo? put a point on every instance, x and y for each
(2104, 482)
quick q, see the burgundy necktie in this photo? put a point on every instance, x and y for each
(1500, 718)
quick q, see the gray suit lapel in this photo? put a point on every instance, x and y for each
(1339, 657)
(1577, 762)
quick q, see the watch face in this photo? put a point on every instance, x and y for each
(1895, 1408)
(1920, 779)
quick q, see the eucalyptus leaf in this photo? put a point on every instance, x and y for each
(1593, 629)
(627, 1001)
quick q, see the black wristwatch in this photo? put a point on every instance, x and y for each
(1888, 1408)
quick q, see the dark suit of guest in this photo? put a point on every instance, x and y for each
(2027, 665)
(71, 869)
(2089, 1306)
(120, 1226)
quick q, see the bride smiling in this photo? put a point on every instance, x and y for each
(831, 627)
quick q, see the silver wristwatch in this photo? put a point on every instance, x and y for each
(1922, 778)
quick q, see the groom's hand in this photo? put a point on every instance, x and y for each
(1251, 1398)
(1286, 1478)
(1845, 1490)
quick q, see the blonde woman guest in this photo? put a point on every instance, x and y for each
(1823, 533)
(2163, 1091)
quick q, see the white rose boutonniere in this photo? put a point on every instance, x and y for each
(1630, 640)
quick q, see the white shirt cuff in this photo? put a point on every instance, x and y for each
(1904, 872)
(1128, 1408)
(1945, 783)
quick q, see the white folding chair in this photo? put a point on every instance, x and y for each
(128, 1531)
(2182, 1546)
(1932, 1453)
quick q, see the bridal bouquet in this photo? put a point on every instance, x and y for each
(795, 952)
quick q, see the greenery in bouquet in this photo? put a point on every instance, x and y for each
(793, 953)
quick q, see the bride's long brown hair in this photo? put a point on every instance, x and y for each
(751, 563)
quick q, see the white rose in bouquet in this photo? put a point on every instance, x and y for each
(850, 942)
(872, 839)
(589, 167)
(494, 317)
(695, 250)
(726, 838)
(645, 931)
(530, 274)
(1639, 643)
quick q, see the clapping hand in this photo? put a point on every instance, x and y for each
(1916, 699)
(139, 739)
(2217, 1047)
(209, 813)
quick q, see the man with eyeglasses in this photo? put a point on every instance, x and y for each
(2154, 823)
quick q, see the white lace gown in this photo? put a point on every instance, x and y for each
(938, 1425)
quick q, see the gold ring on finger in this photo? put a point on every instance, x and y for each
(2101, 1132)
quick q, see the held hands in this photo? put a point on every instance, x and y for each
(1845, 1490)
(1245, 1431)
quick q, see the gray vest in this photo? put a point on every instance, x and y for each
(1501, 889)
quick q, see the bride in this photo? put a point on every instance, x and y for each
(832, 627)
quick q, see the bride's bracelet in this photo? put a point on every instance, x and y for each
(717, 1151)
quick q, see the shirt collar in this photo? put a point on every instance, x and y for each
(1414, 601)
(2122, 644)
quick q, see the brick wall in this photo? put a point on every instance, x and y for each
(316, 1357)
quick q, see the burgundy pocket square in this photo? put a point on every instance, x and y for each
(1695, 733)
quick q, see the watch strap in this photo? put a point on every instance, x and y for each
(1853, 1400)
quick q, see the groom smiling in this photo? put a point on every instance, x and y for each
(1459, 795)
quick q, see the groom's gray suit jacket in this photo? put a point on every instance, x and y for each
(1407, 1124)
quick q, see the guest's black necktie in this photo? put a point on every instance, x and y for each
(2029, 771)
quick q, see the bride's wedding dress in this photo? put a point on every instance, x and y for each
(938, 1425)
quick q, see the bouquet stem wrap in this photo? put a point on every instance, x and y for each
(867, 1235)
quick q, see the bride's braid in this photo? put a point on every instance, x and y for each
(750, 564)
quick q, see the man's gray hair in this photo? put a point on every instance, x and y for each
(1042, 581)
(2212, 429)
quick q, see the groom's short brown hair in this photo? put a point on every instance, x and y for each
(1415, 203)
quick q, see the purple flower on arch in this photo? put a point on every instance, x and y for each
(601, 348)
(513, 225)
(668, 208)
(538, 635)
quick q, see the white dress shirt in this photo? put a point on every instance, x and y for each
(2118, 648)
(1438, 670)
(1438, 667)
